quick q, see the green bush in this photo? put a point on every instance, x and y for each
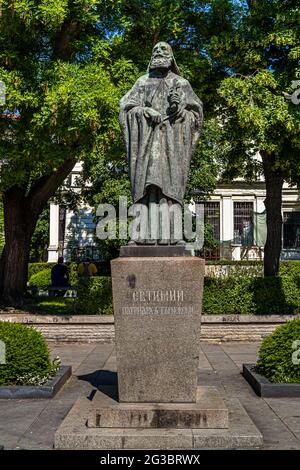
(276, 354)
(34, 268)
(242, 292)
(230, 295)
(26, 354)
(290, 268)
(94, 295)
(41, 279)
(251, 295)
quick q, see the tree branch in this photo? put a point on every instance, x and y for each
(46, 186)
(70, 30)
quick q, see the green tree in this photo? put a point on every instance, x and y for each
(262, 60)
(62, 93)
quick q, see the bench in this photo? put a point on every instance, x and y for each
(55, 290)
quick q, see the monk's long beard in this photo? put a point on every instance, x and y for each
(161, 62)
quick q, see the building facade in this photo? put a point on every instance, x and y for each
(236, 213)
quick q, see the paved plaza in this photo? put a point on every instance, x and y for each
(31, 424)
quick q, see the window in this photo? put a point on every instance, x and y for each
(212, 217)
(291, 230)
(243, 223)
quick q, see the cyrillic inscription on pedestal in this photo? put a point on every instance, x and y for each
(157, 308)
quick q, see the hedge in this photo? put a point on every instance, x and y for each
(278, 357)
(94, 295)
(222, 296)
(251, 295)
(27, 358)
(234, 294)
(41, 279)
(34, 268)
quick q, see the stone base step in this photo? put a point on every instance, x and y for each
(74, 433)
(208, 412)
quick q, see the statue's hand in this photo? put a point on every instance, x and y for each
(180, 112)
(152, 114)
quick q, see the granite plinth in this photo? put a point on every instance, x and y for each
(157, 308)
(209, 412)
(74, 433)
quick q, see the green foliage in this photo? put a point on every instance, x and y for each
(45, 305)
(40, 237)
(94, 296)
(290, 268)
(261, 56)
(34, 268)
(242, 291)
(275, 356)
(251, 295)
(27, 356)
(41, 279)
(235, 294)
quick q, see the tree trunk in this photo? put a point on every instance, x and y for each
(21, 212)
(19, 223)
(273, 203)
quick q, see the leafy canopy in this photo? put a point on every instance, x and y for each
(62, 88)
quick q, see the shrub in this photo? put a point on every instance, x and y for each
(94, 295)
(290, 268)
(276, 354)
(230, 295)
(34, 268)
(73, 276)
(251, 295)
(26, 354)
(41, 279)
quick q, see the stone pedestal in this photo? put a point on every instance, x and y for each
(157, 309)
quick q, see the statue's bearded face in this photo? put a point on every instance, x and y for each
(161, 56)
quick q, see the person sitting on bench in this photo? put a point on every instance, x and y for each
(59, 277)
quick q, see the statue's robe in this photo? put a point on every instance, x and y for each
(160, 154)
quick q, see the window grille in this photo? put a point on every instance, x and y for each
(291, 230)
(243, 223)
(212, 217)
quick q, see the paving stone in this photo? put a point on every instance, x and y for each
(16, 417)
(21, 421)
(40, 435)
